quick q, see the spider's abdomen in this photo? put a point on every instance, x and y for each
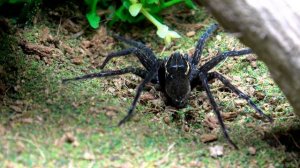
(177, 90)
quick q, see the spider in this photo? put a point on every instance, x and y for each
(177, 75)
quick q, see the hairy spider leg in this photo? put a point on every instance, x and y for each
(124, 52)
(239, 93)
(137, 71)
(147, 79)
(142, 57)
(204, 81)
(144, 54)
(200, 44)
(214, 61)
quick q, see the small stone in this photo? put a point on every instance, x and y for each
(253, 64)
(216, 151)
(252, 150)
(89, 156)
(167, 120)
(186, 128)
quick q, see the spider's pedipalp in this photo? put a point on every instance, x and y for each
(200, 44)
(239, 93)
(203, 79)
(220, 57)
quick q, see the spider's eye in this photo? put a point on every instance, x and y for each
(177, 64)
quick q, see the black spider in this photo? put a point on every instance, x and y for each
(177, 75)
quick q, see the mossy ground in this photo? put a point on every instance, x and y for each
(44, 123)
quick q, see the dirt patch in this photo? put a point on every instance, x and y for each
(289, 139)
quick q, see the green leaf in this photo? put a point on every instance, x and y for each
(16, 1)
(89, 2)
(134, 9)
(93, 19)
(152, 1)
(190, 4)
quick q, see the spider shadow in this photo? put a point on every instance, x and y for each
(289, 139)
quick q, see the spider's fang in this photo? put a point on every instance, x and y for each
(187, 69)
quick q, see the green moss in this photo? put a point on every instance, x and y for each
(79, 108)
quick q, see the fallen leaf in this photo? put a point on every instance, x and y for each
(190, 33)
(46, 110)
(40, 50)
(259, 95)
(86, 44)
(157, 102)
(44, 34)
(110, 114)
(68, 49)
(77, 60)
(195, 163)
(16, 108)
(251, 58)
(10, 164)
(229, 116)
(20, 147)
(145, 97)
(111, 90)
(26, 120)
(216, 151)
(208, 137)
(112, 108)
(239, 102)
(211, 122)
(2, 130)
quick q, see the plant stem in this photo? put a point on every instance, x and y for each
(151, 18)
(170, 3)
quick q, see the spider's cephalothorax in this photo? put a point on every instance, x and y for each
(177, 75)
(177, 79)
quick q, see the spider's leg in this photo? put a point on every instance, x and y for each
(131, 42)
(117, 54)
(145, 54)
(213, 62)
(239, 93)
(203, 78)
(201, 42)
(137, 71)
(147, 79)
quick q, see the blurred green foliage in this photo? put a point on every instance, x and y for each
(130, 11)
